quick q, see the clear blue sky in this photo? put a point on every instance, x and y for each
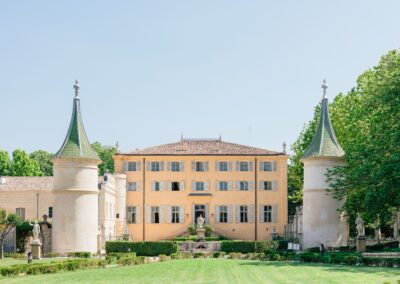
(151, 70)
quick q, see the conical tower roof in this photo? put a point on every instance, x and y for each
(76, 143)
(324, 143)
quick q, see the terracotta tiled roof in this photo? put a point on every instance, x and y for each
(188, 147)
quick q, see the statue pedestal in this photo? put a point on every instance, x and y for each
(361, 244)
(201, 235)
(36, 250)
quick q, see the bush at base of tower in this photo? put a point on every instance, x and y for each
(142, 248)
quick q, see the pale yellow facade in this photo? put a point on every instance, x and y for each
(143, 196)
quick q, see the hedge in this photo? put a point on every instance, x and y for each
(249, 246)
(142, 248)
(51, 267)
(80, 254)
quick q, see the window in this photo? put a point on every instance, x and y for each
(267, 214)
(244, 185)
(131, 215)
(267, 185)
(175, 186)
(132, 167)
(243, 214)
(155, 166)
(199, 186)
(223, 185)
(244, 166)
(223, 166)
(155, 215)
(175, 166)
(223, 214)
(268, 166)
(50, 212)
(132, 186)
(20, 213)
(175, 215)
(199, 166)
(156, 186)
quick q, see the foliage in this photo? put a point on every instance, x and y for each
(209, 230)
(23, 165)
(5, 163)
(24, 229)
(7, 223)
(106, 155)
(80, 254)
(142, 248)
(248, 246)
(194, 238)
(43, 158)
(218, 254)
(192, 230)
(181, 255)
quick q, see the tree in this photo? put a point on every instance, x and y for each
(105, 153)
(5, 163)
(43, 158)
(23, 165)
(7, 223)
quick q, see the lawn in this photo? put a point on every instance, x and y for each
(221, 271)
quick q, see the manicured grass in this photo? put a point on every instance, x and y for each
(221, 271)
(10, 261)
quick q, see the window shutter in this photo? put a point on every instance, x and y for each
(237, 166)
(182, 166)
(237, 185)
(169, 185)
(193, 185)
(124, 166)
(261, 185)
(230, 213)
(216, 214)
(193, 166)
(274, 166)
(153, 186)
(237, 213)
(261, 165)
(207, 221)
(206, 186)
(148, 214)
(230, 185)
(229, 166)
(169, 215)
(137, 208)
(251, 185)
(275, 213)
(148, 166)
(275, 185)
(168, 166)
(193, 221)
(217, 185)
(182, 186)
(161, 166)
(182, 214)
(251, 166)
(162, 209)
(138, 166)
(161, 185)
(138, 186)
(261, 213)
(251, 213)
(216, 166)
(206, 166)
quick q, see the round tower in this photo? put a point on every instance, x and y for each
(75, 189)
(322, 223)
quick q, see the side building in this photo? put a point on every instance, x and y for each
(240, 191)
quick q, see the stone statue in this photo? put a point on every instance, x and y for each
(200, 222)
(377, 228)
(360, 226)
(36, 232)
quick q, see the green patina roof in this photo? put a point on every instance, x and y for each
(324, 143)
(76, 143)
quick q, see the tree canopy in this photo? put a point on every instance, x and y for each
(23, 165)
(105, 153)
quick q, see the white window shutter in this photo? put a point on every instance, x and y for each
(251, 185)
(168, 166)
(251, 166)
(237, 185)
(169, 185)
(275, 213)
(182, 166)
(148, 214)
(193, 166)
(216, 166)
(124, 166)
(275, 185)
(193, 185)
(138, 166)
(230, 185)
(161, 166)
(161, 185)
(206, 186)
(169, 215)
(230, 213)
(237, 166)
(148, 166)
(182, 214)
(206, 166)
(229, 166)
(261, 213)
(216, 214)
(153, 186)
(137, 208)
(217, 185)
(237, 213)
(261, 185)
(182, 186)
(162, 209)
(251, 213)
(274, 166)
(138, 186)
(261, 166)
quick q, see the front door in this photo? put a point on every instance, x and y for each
(199, 209)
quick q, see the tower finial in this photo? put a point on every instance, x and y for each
(117, 147)
(324, 87)
(76, 87)
(284, 147)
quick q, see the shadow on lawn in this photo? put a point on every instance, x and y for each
(328, 267)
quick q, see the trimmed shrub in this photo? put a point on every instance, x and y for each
(164, 257)
(192, 230)
(80, 254)
(181, 255)
(218, 254)
(53, 254)
(381, 246)
(351, 259)
(310, 257)
(127, 260)
(235, 255)
(142, 248)
(140, 260)
(238, 246)
(382, 262)
(313, 250)
(282, 244)
(262, 246)
(15, 255)
(209, 230)
(111, 259)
